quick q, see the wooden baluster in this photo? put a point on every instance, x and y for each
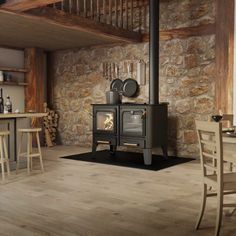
(132, 15)
(116, 13)
(85, 8)
(121, 13)
(144, 16)
(140, 15)
(98, 10)
(110, 12)
(126, 14)
(91, 9)
(78, 7)
(69, 6)
(104, 11)
(62, 5)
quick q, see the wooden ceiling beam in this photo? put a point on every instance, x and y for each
(75, 22)
(24, 5)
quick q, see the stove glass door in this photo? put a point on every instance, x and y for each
(105, 121)
(133, 122)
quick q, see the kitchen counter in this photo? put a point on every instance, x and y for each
(12, 122)
(22, 115)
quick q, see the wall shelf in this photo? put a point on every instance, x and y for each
(13, 83)
(10, 69)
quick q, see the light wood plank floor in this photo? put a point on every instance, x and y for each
(77, 198)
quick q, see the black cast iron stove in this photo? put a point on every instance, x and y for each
(137, 125)
(133, 125)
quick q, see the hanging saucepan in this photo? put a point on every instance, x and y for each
(117, 84)
(130, 88)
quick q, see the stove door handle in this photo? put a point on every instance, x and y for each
(103, 142)
(131, 144)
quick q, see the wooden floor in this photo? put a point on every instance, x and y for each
(78, 198)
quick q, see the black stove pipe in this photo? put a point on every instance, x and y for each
(154, 52)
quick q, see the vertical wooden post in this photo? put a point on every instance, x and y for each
(224, 55)
(35, 63)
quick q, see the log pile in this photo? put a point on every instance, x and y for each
(50, 123)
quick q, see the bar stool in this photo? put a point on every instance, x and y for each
(30, 154)
(4, 153)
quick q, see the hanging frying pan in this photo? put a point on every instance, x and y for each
(117, 84)
(130, 88)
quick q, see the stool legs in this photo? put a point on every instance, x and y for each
(40, 152)
(29, 153)
(4, 156)
(19, 153)
(2, 159)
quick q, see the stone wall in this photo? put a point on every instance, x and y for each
(187, 74)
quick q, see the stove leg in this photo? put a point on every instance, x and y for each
(147, 155)
(165, 151)
(112, 150)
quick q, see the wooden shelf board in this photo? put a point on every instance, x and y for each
(9, 69)
(14, 83)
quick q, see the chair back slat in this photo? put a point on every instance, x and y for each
(211, 148)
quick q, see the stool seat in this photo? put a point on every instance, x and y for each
(4, 133)
(30, 154)
(4, 153)
(30, 130)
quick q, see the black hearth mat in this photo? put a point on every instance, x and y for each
(129, 159)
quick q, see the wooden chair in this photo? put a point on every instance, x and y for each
(30, 154)
(211, 154)
(4, 153)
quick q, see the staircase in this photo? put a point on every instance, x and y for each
(130, 15)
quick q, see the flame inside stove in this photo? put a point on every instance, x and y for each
(109, 122)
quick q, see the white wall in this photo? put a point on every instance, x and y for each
(14, 58)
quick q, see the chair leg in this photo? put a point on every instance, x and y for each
(203, 205)
(219, 211)
(6, 155)
(2, 160)
(40, 153)
(19, 153)
(28, 153)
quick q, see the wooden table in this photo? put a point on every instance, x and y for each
(13, 130)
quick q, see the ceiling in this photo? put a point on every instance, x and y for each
(20, 31)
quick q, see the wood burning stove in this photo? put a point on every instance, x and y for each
(134, 125)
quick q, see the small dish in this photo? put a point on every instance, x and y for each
(217, 118)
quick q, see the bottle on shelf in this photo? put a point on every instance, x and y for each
(8, 105)
(1, 102)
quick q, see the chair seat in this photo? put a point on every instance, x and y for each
(4, 133)
(229, 180)
(30, 130)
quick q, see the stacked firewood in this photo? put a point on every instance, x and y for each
(50, 123)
